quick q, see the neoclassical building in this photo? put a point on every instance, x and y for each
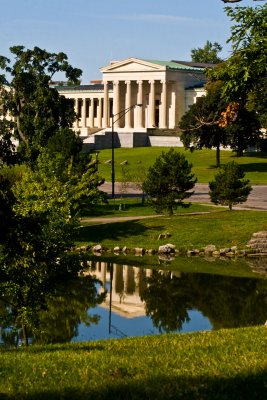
(143, 96)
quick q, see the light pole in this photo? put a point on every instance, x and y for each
(119, 115)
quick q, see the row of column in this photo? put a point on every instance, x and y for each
(91, 116)
(150, 121)
(135, 119)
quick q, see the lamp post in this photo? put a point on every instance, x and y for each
(115, 118)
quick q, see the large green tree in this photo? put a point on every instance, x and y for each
(244, 73)
(39, 216)
(169, 181)
(207, 54)
(200, 124)
(36, 109)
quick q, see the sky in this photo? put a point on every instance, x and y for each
(94, 32)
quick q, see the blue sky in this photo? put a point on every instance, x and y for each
(94, 32)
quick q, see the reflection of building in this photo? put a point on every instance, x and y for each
(164, 88)
(127, 285)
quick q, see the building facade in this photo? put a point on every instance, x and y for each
(162, 91)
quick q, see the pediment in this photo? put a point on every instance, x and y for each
(133, 65)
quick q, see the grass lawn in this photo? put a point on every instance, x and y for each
(221, 228)
(140, 158)
(128, 207)
(225, 364)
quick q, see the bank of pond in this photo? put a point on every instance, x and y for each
(119, 297)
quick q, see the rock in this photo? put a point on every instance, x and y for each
(97, 248)
(117, 249)
(151, 251)
(107, 162)
(125, 162)
(167, 248)
(209, 248)
(125, 249)
(139, 251)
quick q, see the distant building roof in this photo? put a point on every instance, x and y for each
(177, 65)
(82, 88)
(195, 64)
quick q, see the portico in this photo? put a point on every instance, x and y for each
(165, 90)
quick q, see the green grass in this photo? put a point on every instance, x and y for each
(140, 158)
(128, 207)
(225, 364)
(221, 228)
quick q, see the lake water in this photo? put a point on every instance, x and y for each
(118, 300)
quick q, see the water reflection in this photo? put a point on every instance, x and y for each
(113, 300)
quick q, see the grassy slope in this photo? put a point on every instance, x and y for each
(140, 158)
(225, 364)
(222, 228)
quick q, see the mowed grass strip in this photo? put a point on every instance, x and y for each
(225, 364)
(140, 158)
(133, 207)
(221, 228)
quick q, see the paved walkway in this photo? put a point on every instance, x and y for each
(256, 200)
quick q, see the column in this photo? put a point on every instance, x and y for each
(83, 113)
(106, 106)
(91, 113)
(140, 101)
(104, 274)
(99, 113)
(116, 89)
(76, 122)
(128, 105)
(163, 108)
(152, 123)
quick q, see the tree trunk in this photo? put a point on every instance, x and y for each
(230, 206)
(25, 335)
(218, 154)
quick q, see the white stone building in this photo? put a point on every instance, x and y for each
(162, 90)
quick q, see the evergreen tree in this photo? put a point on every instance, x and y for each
(229, 187)
(168, 181)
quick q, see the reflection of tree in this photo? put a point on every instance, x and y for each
(66, 309)
(166, 304)
(227, 302)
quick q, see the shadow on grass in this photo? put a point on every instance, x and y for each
(112, 209)
(120, 386)
(113, 231)
(254, 167)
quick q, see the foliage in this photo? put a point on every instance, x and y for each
(207, 125)
(168, 181)
(244, 73)
(36, 109)
(200, 124)
(41, 205)
(229, 186)
(207, 54)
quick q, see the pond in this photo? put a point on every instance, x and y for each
(112, 300)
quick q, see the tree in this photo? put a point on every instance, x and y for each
(207, 54)
(243, 74)
(229, 187)
(168, 181)
(200, 124)
(211, 123)
(42, 207)
(36, 109)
